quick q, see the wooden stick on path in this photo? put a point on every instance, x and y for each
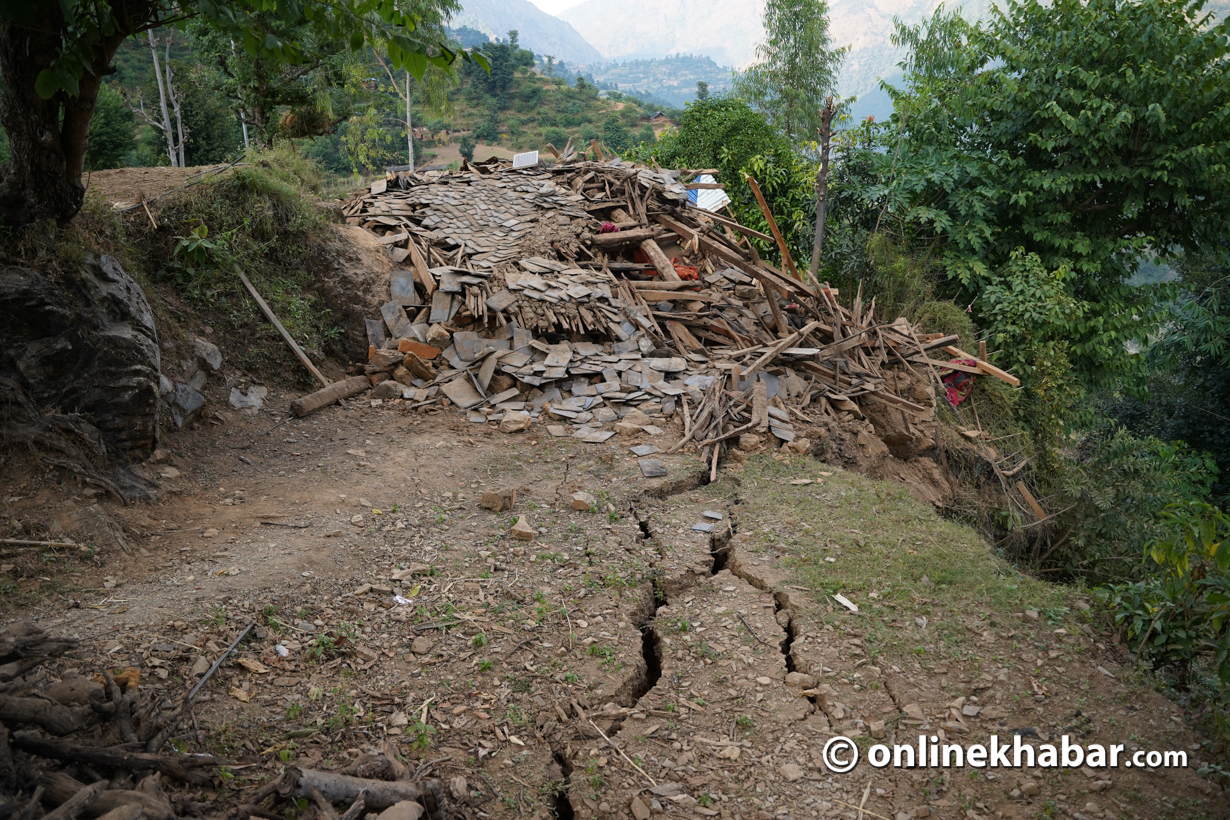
(286, 336)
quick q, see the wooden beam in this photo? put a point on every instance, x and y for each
(285, 336)
(777, 234)
(985, 367)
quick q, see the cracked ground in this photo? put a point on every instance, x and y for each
(674, 648)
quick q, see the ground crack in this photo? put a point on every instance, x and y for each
(560, 804)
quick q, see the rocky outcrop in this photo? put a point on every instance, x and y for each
(85, 345)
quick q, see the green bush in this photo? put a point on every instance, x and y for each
(1178, 616)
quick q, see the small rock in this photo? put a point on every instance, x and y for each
(970, 710)
(458, 787)
(515, 422)
(792, 772)
(252, 400)
(210, 533)
(1031, 614)
(636, 417)
(748, 442)
(764, 680)
(405, 810)
(498, 500)
(169, 472)
(800, 680)
(438, 336)
(801, 446)
(207, 353)
(626, 429)
(875, 728)
(523, 530)
(583, 501)
(160, 455)
(421, 645)
(200, 667)
(639, 810)
(1030, 788)
(388, 390)
(913, 711)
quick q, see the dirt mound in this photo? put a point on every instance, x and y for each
(125, 187)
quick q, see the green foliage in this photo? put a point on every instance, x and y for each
(702, 90)
(1112, 496)
(796, 69)
(615, 134)
(726, 134)
(1179, 614)
(270, 31)
(1085, 132)
(466, 147)
(213, 132)
(1188, 384)
(112, 130)
(368, 145)
(1034, 315)
(556, 136)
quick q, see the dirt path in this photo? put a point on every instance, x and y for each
(676, 648)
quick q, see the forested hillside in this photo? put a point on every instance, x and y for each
(346, 111)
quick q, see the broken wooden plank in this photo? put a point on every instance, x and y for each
(294, 346)
(986, 367)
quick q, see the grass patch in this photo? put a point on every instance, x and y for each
(895, 557)
(263, 219)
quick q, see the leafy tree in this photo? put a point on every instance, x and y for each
(588, 132)
(615, 134)
(702, 90)
(556, 136)
(53, 57)
(646, 135)
(797, 67)
(1189, 367)
(726, 134)
(213, 132)
(466, 146)
(1087, 133)
(112, 130)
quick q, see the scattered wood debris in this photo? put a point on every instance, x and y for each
(76, 729)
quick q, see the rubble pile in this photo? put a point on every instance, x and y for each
(593, 296)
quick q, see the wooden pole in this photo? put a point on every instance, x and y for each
(777, 234)
(822, 186)
(286, 336)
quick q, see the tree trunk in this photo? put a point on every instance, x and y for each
(176, 99)
(409, 126)
(162, 97)
(47, 138)
(822, 185)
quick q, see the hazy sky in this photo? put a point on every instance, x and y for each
(554, 6)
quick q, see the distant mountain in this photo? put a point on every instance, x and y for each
(672, 80)
(729, 31)
(537, 30)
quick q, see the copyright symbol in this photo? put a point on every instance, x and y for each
(840, 754)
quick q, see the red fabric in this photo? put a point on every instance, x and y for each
(957, 383)
(686, 272)
(609, 227)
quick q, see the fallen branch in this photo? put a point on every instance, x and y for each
(378, 794)
(69, 809)
(45, 714)
(182, 768)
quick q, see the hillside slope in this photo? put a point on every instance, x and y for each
(539, 31)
